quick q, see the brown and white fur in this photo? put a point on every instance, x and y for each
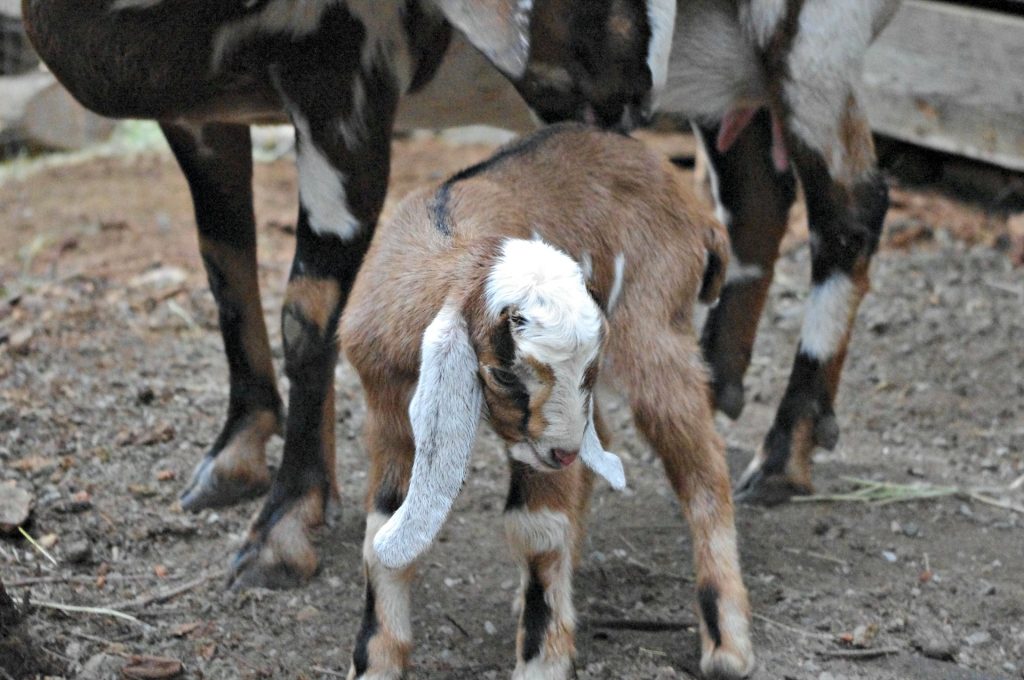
(474, 303)
(772, 86)
(336, 69)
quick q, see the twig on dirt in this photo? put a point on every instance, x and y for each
(884, 493)
(451, 619)
(72, 578)
(165, 595)
(629, 545)
(242, 660)
(179, 311)
(881, 493)
(1006, 288)
(103, 641)
(995, 502)
(792, 629)
(858, 653)
(99, 611)
(818, 555)
(328, 671)
(38, 547)
(1017, 483)
(642, 625)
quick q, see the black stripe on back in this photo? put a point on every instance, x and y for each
(439, 209)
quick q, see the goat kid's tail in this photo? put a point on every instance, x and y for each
(716, 240)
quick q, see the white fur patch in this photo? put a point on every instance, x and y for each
(291, 18)
(121, 5)
(542, 668)
(537, 532)
(722, 213)
(741, 272)
(604, 463)
(828, 317)
(616, 289)
(444, 412)
(761, 18)
(661, 16)
(502, 35)
(390, 588)
(825, 67)
(532, 533)
(713, 65)
(321, 187)
(561, 328)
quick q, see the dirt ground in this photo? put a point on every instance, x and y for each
(113, 382)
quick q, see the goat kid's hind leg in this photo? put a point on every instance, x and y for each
(217, 161)
(343, 152)
(667, 385)
(846, 204)
(752, 199)
(384, 641)
(543, 527)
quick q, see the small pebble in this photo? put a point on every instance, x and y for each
(977, 639)
(889, 556)
(78, 552)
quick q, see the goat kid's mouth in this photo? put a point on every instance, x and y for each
(555, 460)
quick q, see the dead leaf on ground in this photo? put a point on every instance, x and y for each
(34, 463)
(183, 629)
(151, 668)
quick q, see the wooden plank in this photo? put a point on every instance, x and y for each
(950, 78)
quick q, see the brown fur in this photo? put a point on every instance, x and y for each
(591, 194)
(239, 270)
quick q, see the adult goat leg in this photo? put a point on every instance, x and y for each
(217, 161)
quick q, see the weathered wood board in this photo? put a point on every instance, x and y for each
(951, 78)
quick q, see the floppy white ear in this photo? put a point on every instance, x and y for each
(498, 28)
(444, 412)
(604, 463)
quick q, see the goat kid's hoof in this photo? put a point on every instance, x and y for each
(279, 553)
(544, 669)
(211, 487)
(727, 664)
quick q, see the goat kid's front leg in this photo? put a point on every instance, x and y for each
(543, 526)
(384, 641)
(343, 151)
(846, 205)
(217, 162)
(666, 382)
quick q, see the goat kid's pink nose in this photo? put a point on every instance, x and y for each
(564, 458)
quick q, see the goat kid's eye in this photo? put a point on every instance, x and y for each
(504, 378)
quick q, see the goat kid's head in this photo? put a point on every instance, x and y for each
(531, 373)
(601, 61)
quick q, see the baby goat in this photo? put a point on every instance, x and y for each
(499, 296)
